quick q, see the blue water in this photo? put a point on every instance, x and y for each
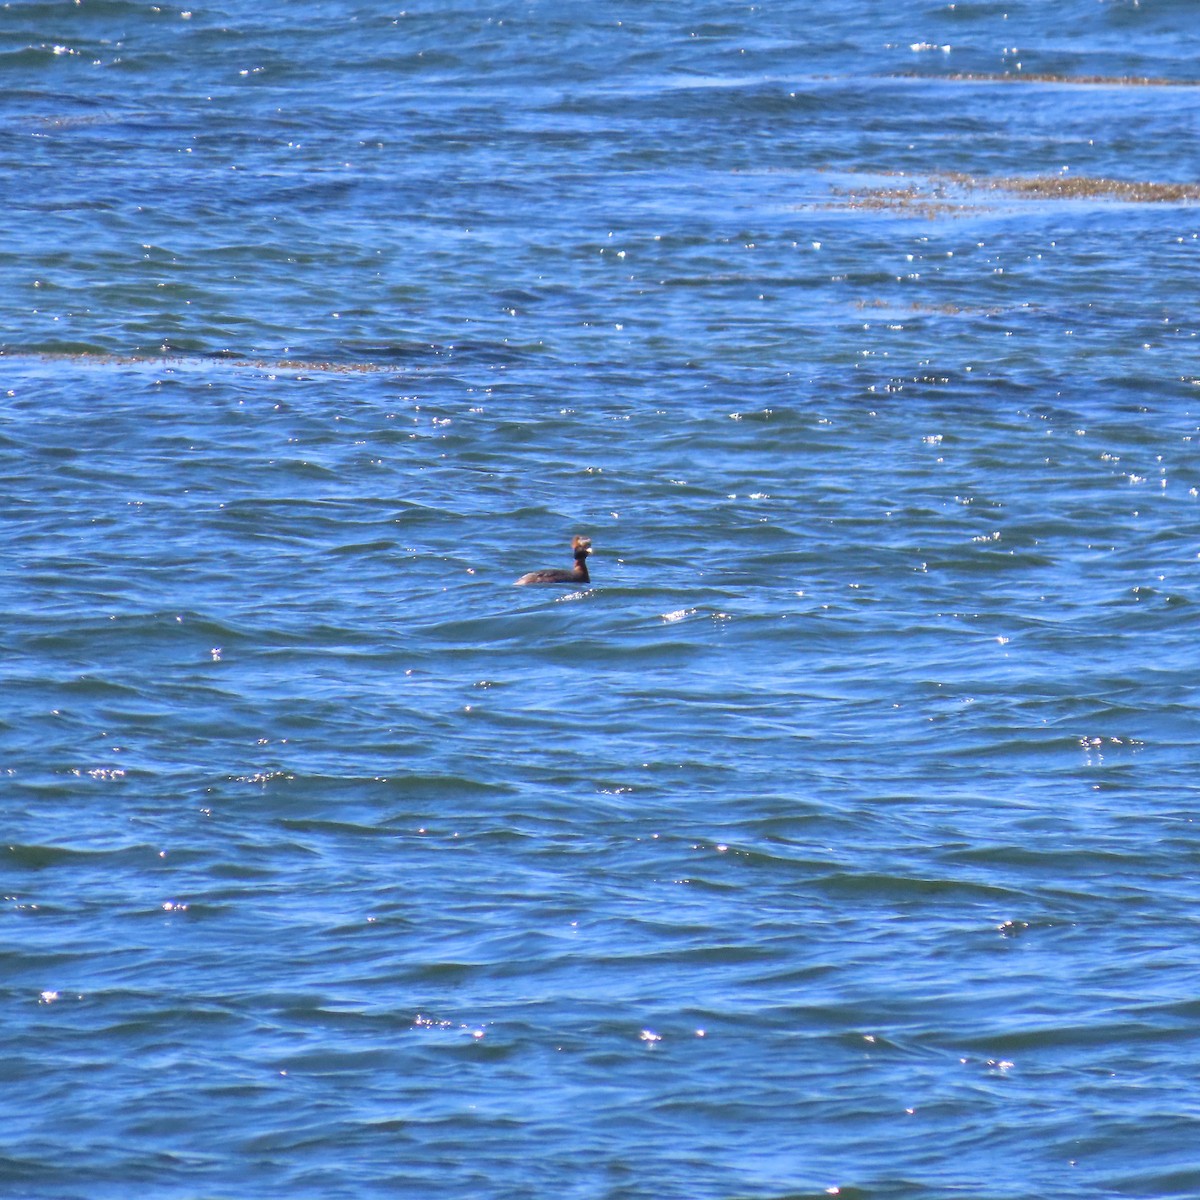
(839, 839)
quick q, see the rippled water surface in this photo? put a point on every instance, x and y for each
(838, 839)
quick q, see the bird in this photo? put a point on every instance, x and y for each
(581, 547)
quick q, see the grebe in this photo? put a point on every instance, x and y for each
(581, 547)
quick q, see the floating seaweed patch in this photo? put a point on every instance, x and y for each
(1075, 187)
(917, 199)
(308, 366)
(1049, 77)
(957, 192)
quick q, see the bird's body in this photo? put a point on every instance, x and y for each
(581, 547)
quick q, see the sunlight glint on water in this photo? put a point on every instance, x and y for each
(837, 839)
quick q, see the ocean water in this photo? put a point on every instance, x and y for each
(839, 839)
